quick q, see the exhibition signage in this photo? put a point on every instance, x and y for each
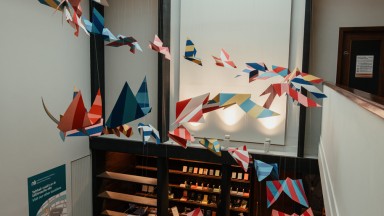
(47, 192)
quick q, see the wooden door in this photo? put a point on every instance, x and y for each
(361, 59)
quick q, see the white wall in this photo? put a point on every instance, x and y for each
(350, 158)
(295, 58)
(38, 58)
(328, 16)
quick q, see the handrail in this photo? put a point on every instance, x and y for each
(370, 102)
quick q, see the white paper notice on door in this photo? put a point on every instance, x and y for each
(364, 66)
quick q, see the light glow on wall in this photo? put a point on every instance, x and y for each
(271, 122)
(231, 115)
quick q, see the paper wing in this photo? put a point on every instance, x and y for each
(240, 156)
(181, 135)
(211, 144)
(191, 110)
(143, 98)
(196, 212)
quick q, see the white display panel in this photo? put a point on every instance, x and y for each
(250, 31)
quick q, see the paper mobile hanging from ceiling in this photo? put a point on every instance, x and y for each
(128, 108)
(263, 170)
(241, 156)
(195, 212)
(308, 212)
(96, 27)
(190, 52)
(129, 41)
(147, 131)
(225, 100)
(157, 45)
(76, 121)
(212, 145)
(102, 2)
(181, 136)
(224, 61)
(253, 70)
(191, 110)
(293, 188)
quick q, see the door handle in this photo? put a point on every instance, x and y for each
(346, 52)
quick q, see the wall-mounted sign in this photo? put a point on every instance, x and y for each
(47, 193)
(364, 66)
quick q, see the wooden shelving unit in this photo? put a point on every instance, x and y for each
(128, 178)
(239, 210)
(190, 189)
(128, 198)
(194, 203)
(113, 213)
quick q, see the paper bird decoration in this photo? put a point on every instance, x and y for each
(225, 100)
(181, 136)
(128, 108)
(211, 144)
(263, 170)
(308, 212)
(157, 46)
(253, 70)
(280, 70)
(147, 131)
(285, 88)
(123, 40)
(102, 2)
(190, 52)
(55, 4)
(75, 22)
(196, 212)
(241, 156)
(124, 129)
(96, 27)
(224, 61)
(293, 188)
(76, 121)
(191, 110)
(299, 82)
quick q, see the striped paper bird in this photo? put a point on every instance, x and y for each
(225, 100)
(191, 110)
(211, 144)
(299, 82)
(55, 4)
(76, 121)
(157, 45)
(181, 136)
(75, 22)
(190, 52)
(253, 70)
(102, 2)
(241, 156)
(224, 61)
(96, 27)
(263, 170)
(308, 212)
(147, 131)
(285, 88)
(129, 41)
(196, 212)
(282, 71)
(293, 188)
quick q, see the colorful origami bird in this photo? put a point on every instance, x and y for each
(293, 188)
(263, 170)
(282, 71)
(308, 212)
(190, 52)
(225, 100)
(224, 61)
(191, 110)
(211, 144)
(76, 121)
(128, 108)
(241, 156)
(102, 2)
(75, 22)
(96, 27)
(55, 4)
(196, 212)
(124, 40)
(157, 46)
(147, 131)
(181, 136)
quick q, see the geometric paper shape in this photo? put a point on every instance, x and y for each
(263, 170)
(181, 136)
(211, 144)
(241, 156)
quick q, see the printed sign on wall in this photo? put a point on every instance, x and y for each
(47, 193)
(364, 66)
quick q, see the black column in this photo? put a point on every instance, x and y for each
(225, 190)
(305, 68)
(164, 29)
(162, 186)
